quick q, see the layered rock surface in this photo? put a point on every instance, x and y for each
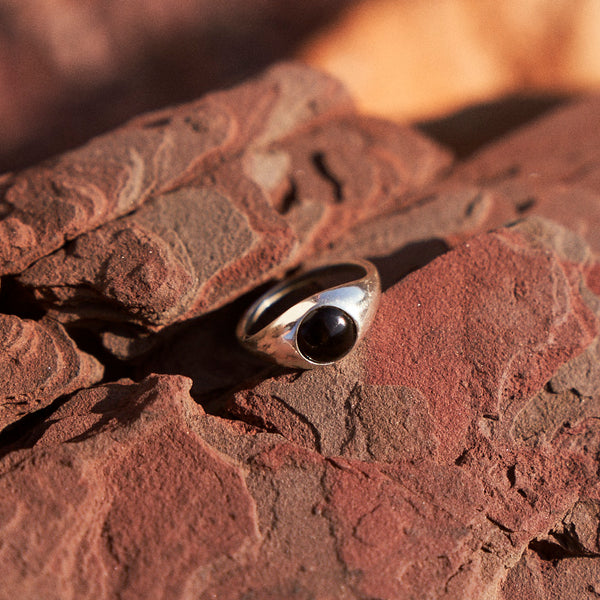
(38, 363)
(453, 455)
(229, 192)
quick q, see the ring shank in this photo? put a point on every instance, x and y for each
(290, 292)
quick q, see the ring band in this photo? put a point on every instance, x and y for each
(315, 318)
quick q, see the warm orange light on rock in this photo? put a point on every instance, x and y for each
(412, 60)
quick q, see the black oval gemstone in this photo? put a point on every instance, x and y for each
(326, 334)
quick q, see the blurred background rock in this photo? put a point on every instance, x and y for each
(70, 69)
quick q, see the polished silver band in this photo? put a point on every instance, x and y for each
(315, 318)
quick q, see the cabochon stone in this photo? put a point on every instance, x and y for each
(326, 334)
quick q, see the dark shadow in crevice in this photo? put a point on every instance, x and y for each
(393, 267)
(468, 130)
(87, 338)
(289, 199)
(18, 301)
(547, 550)
(564, 547)
(207, 350)
(511, 475)
(320, 164)
(524, 206)
(25, 432)
(462, 459)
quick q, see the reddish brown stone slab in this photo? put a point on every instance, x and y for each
(128, 480)
(182, 254)
(548, 168)
(116, 173)
(122, 492)
(458, 378)
(573, 206)
(296, 171)
(365, 167)
(461, 432)
(450, 454)
(534, 578)
(560, 147)
(545, 169)
(491, 319)
(407, 529)
(485, 325)
(38, 363)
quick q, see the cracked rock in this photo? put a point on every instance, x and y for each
(534, 578)
(441, 385)
(38, 363)
(548, 168)
(227, 192)
(452, 456)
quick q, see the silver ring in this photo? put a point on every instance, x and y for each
(315, 318)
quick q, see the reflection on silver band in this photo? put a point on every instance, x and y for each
(315, 318)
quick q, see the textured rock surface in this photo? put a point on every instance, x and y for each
(561, 147)
(534, 578)
(38, 363)
(503, 311)
(435, 433)
(234, 188)
(96, 495)
(477, 394)
(550, 168)
(115, 174)
(453, 455)
(547, 168)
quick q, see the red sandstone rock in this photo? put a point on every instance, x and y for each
(560, 147)
(450, 384)
(454, 455)
(450, 466)
(152, 155)
(534, 578)
(38, 363)
(124, 492)
(276, 173)
(547, 169)
(504, 309)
